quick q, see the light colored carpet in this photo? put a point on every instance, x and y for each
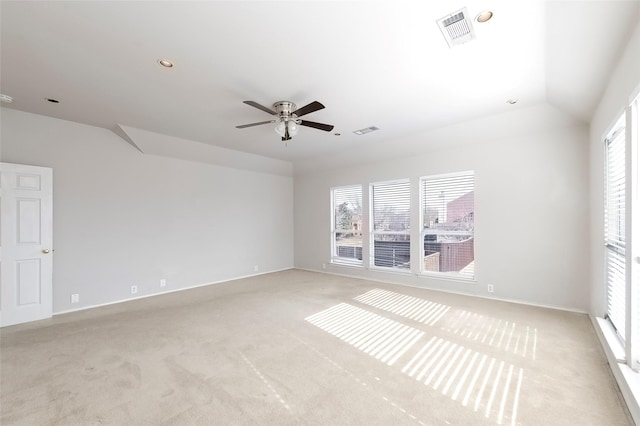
(297, 347)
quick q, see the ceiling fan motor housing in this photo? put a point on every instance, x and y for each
(284, 108)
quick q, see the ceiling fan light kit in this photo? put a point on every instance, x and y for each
(284, 128)
(287, 126)
(288, 118)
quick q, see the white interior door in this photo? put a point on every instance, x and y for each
(26, 227)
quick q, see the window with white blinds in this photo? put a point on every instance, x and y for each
(346, 239)
(447, 208)
(614, 226)
(633, 135)
(390, 224)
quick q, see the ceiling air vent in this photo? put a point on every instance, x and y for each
(366, 130)
(457, 27)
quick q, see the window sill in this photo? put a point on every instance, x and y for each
(390, 270)
(446, 277)
(628, 380)
(340, 262)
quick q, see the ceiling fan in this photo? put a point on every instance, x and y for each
(288, 117)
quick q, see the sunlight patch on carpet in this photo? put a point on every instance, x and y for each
(380, 337)
(497, 333)
(492, 386)
(361, 382)
(414, 308)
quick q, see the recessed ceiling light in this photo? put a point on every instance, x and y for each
(5, 98)
(336, 134)
(53, 101)
(484, 16)
(165, 63)
(512, 101)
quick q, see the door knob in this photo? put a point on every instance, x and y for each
(45, 251)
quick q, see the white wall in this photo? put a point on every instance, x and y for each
(531, 206)
(123, 218)
(624, 81)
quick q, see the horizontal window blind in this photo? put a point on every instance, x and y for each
(615, 194)
(634, 111)
(347, 224)
(391, 220)
(391, 202)
(455, 192)
(448, 215)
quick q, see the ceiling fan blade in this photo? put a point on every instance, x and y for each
(321, 126)
(255, 124)
(263, 108)
(313, 106)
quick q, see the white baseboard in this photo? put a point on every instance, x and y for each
(462, 293)
(84, 308)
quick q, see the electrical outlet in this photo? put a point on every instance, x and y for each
(324, 266)
(75, 298)
(134, 289)
(255, 268)
(163, 282)
(490, 288)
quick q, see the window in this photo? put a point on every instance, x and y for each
(347, 224)
(447, 205)
(622, 231)
(614, 226)
(633, 353)
(390, 224)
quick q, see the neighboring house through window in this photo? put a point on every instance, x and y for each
(447, 205)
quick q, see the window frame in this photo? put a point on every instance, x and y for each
(372, 225)
(335, 258)
(615, 250)
(629, 339)
(633, 234)
(423, 230)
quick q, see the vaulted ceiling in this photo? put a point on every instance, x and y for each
(383, 64)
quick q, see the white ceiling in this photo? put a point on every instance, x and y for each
(382, 64)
